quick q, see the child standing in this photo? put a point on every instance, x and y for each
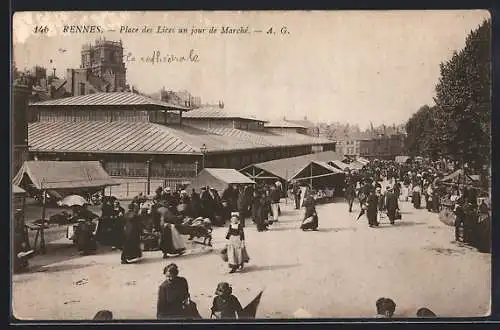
(225, 304)
(236, 251)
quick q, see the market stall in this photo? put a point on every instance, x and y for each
(219, 179)
(62, 178)
(324, 179)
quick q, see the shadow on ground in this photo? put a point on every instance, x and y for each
(59, 268)
(255, 268)
(401, 224)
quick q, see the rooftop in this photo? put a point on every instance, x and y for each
(109, 99)
(283, 124)
(215, 112)
(150, 138)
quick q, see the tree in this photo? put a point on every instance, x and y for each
(463, 101)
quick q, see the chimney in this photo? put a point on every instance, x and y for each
(305, 117)
(284, 118)
(221, 104)
(54, 72)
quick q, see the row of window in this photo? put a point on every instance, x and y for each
(139, 169)
(86, 115)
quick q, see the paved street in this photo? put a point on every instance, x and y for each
(339, 271)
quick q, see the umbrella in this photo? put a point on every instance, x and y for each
(251, 309)
(360, 214)
(73, 200)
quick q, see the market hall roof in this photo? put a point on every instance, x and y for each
(214, 112)
(283, 124)
(150, 138)
(109, 99)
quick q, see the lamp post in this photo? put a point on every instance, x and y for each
(42, 229)
(203, 153)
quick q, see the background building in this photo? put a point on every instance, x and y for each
(284, 127)
(182, 97)
(136, 136)
(21, 93)
(102, 69)
(383, 147)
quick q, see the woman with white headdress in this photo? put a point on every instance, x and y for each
(237, 254)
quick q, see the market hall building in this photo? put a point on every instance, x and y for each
(134, 136)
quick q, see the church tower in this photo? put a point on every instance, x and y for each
(104, 60)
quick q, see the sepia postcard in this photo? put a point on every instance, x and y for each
(207, 165)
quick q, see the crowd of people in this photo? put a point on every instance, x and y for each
(379, 187)
(168, 213)
(414, 181)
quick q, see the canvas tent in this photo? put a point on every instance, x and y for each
(63, 175)
(338, 164)
(460, 177)
(363, 161)
(218, 178)
(286, 169)
(401, 159)
(320, 173)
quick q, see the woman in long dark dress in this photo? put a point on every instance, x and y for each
(86, 240)
(117, 214)
(310, 221)
(132, 236)
(262, 211)
(172, 295)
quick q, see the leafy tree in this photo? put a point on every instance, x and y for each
(463, 100)
(459, 125)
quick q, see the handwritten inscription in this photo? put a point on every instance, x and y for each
(157, 57)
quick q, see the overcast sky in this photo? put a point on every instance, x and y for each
(347, 66)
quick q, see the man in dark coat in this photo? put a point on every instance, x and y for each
(242, 205)
(230, 195)
(296, 194)
(217, 207)
(350, 189)
(132, 236)
(195, 205)
(105, 223)
(372, 208)
(274, 198)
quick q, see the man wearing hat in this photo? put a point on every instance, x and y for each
(372, 208)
